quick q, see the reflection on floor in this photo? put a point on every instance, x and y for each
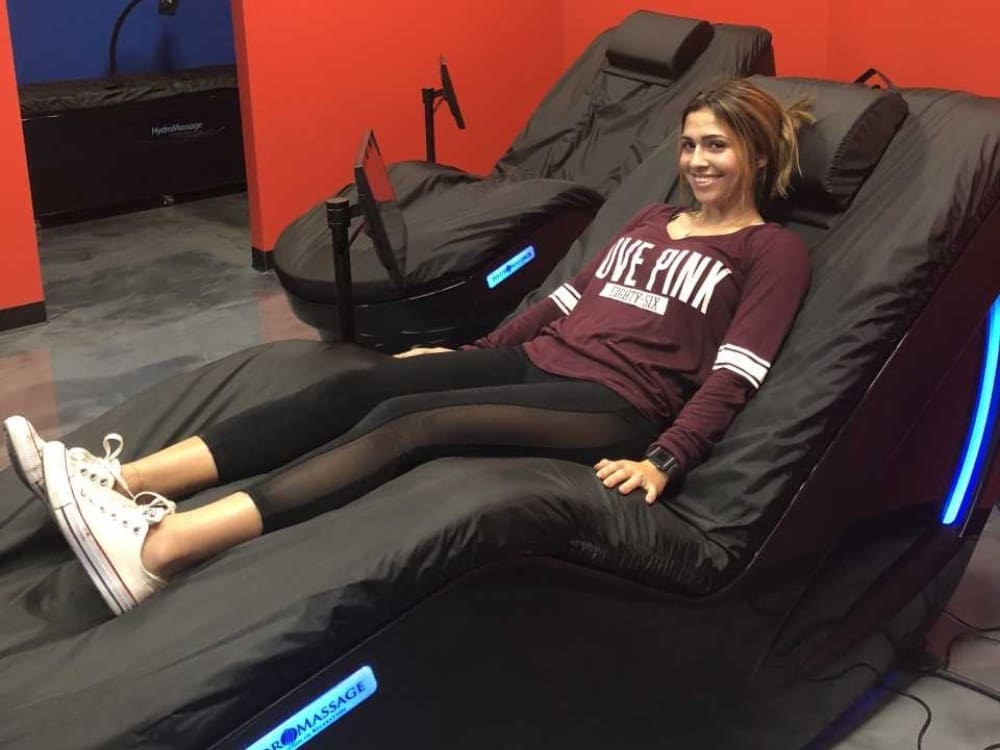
(133, 299)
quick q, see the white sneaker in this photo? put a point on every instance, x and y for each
(24, 447)
(105, 529)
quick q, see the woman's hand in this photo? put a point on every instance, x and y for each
(420, 350)
(631, 475)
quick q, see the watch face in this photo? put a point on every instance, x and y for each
(661, 459)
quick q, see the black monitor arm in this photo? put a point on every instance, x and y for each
(339, 213)
(431, 99)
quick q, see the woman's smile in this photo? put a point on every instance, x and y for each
(703, 180)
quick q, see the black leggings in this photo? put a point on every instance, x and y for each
(334, 441)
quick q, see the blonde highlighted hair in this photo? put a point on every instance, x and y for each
(764, 130)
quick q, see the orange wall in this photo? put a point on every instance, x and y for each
(950, 45)
(20, 275)
(310, 87)
(306, 105)
(302, 134)
(800, 31)
(914, 43)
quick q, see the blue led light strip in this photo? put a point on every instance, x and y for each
(510, 267)
(318, 715)
(979, 430)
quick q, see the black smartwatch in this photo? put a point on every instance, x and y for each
(662, 460)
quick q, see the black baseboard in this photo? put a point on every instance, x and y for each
(25, 315)
(261, 260)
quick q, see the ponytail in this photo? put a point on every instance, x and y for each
(793, 117)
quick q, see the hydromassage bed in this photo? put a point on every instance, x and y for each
(514, 602)
(108, 142)
(610, 109)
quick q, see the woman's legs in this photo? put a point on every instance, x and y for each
(129, 546)
(279, 431)
(567, 419)
(178, 470)
(185, 539)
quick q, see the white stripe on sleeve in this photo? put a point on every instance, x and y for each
(566, 298)
(740, 350)
(743, 363)
(559, 303)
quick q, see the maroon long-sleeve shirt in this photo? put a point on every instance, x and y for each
(685, 329)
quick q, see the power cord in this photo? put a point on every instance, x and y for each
(966, 623)
(941, 674)
(944, 674)
(942, 671)
(927, 709)
(963, 637)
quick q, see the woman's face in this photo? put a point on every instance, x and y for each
(710, 161)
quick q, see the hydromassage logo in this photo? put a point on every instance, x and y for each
(310, 720)
(510, 267)
(178, 128)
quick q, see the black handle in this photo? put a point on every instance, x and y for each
(338, 218)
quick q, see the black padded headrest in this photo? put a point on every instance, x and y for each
(854, 125)
(653, 44)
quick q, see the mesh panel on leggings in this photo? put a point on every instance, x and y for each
(330, 479)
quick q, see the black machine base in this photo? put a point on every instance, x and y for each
(537, 653)
(456, 310)
(134, 151)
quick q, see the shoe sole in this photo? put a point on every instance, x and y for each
(18, 457)
(74, 527)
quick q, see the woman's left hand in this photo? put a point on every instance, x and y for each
(632, 475)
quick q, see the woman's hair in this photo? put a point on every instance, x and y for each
(763, 128)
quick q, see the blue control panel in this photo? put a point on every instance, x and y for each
(511, 266)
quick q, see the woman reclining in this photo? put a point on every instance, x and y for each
(637, 366)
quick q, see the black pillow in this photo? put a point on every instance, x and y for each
(854, 125)
(657, 45)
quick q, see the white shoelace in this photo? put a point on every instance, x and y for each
(156, 508)
(106, 471)
(152, 508)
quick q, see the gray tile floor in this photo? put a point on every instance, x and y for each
(135, 298)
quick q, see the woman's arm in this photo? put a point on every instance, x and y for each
(776, 285)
